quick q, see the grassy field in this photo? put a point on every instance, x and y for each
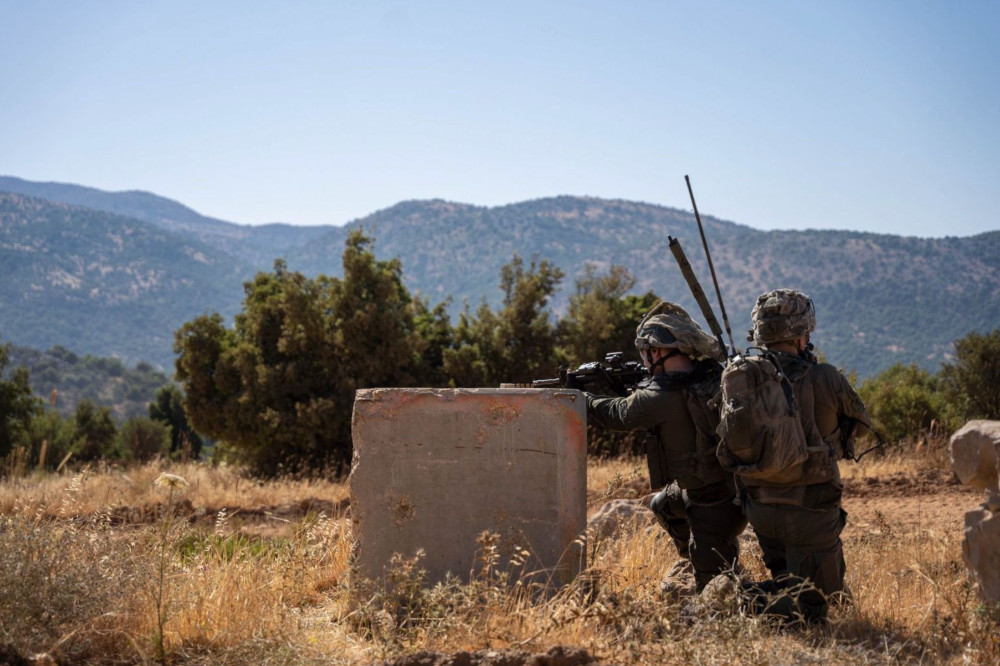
(192, 564)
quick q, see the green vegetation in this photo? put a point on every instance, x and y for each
(908, 403)
(973, 380)
(131, 281)
(63, 379)
(277, 389)
(17, 405)
(99, 411)
(168, 408)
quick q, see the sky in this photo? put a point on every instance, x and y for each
(869, 115)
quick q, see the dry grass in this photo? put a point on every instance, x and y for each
(83, 586)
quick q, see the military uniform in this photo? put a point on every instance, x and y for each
(699, 509)
(798, 525)
(798, 522)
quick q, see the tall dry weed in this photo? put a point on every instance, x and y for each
(78, 584)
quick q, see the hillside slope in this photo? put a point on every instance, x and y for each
(107, 284)
(881, 299)
(104, 284)
(256, 245)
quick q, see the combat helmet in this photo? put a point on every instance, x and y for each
(782, 314)
(668, 326)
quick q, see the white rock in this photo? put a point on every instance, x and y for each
(981, 551)
(617, 514)
(975, 453)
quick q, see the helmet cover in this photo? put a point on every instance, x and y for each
(668, 326)
(782, 314)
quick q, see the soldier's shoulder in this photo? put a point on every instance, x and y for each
(828, 371)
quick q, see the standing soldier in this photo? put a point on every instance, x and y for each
(796, 511)
(698, 505)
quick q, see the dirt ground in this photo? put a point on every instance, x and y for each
(932, 501)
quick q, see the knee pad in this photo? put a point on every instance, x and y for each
(668, 506)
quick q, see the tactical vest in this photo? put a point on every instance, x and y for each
(691, 461)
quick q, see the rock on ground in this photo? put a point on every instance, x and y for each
(616, 515)
(557, 656)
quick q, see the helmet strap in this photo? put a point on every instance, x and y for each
(660, 361)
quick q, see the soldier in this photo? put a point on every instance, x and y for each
(697, 505)
(798, 523)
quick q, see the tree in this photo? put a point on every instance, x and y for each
(601, 318)
(973, 379)
(168, 408)
(95, 431)
(515, 344)
(277, 390)
(374, 318)
(17, 404)
(433, 327)
(142, 439)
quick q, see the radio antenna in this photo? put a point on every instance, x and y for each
(711, 268)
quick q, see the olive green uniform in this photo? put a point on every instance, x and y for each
(798, 525)
(701, 515)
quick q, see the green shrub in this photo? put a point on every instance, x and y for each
(906, 403)
(143, 439)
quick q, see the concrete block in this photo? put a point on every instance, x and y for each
(435, 468)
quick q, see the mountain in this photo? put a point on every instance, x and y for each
(105, 284)
(880, 298)
(254, 245)
(100, 282)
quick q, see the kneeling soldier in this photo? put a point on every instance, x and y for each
(697, 505)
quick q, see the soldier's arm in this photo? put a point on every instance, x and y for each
(636, 412)
(852, 416)
(853, 407)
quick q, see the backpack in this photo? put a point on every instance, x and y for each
(761, 439)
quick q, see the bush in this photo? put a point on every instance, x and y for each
(48, 438)
(906, 403)
(143, 439)
(973, 381)
(95, 431)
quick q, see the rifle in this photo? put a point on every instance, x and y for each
(620, 375)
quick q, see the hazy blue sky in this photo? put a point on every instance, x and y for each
(861, 114)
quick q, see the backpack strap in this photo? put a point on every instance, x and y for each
(847, 426)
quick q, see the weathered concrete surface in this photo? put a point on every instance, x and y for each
(975, 457)
(435, 468)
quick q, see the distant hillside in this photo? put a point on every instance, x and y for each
(255, 245)
(881, 299)
(126, 391)
(104, 284)
(111, 285)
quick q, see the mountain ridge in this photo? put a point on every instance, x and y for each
(881, 298)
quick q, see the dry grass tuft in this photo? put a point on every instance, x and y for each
(222, 581)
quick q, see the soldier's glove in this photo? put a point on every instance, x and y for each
(569, 381)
